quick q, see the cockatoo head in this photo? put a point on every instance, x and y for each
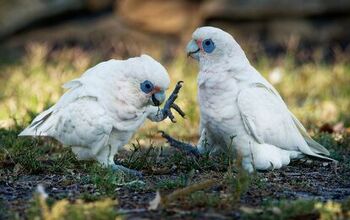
(149, 80)
(210, 46)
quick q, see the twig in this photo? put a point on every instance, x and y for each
(188, 190)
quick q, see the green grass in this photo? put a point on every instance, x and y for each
(105, 180)
(32, 155)
(38, 156)
(174, 183)
(300, 209)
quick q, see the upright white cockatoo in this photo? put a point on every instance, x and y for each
(105, 106)
(236, 101)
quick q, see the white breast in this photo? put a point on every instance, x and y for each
(217, 101)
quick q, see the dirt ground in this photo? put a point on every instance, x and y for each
(305, 179)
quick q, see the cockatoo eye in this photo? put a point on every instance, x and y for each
(208, 45)
(146, 86)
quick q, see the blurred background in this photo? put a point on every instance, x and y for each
(301, 47)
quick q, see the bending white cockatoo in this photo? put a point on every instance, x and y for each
(236, 101)
(105, 106)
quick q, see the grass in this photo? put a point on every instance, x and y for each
(316, 92)
(301, 209)
(31, 155)
(104, 179)
(37, 156)
(175, 183)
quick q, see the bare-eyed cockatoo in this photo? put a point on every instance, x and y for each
(105, 106)
(240, 109)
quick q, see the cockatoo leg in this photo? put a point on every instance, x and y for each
(82, 153)
(170, 104)
(188, 148)
(247, 164)
(106, 158)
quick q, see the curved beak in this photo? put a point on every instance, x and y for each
(158, 98)
(192, 49)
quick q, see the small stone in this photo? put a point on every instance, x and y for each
(276, 210)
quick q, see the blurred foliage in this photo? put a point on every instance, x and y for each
(79, 210)
(34, 82)
(316, 92)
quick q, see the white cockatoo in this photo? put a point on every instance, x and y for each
(240, 109)
(105, 106)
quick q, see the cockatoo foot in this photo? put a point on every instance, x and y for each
(248, 165)
(188, 148)
(170, 104)
(128, 171)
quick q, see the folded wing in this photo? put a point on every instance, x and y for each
(267, 119)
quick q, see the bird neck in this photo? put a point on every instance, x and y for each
(223, 72)
(232, 62)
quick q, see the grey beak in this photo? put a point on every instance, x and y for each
(192, 49)
(158, 98)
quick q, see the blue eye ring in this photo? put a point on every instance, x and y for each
(208, 45)
(146, 86)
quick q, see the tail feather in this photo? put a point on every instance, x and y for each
(314, 146)
(36, 128)
(313, 154)
(316, 149)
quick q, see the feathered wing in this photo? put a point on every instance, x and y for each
(316, 147)
(85, 123)
(32, 130)
(77, 119)
(268, 120)
(97, 93)
(82, 122)
(44, 121)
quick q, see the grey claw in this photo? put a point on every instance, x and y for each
(178, 109)
(170, 104)
(188, 148)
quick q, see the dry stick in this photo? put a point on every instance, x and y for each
(188, 190)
